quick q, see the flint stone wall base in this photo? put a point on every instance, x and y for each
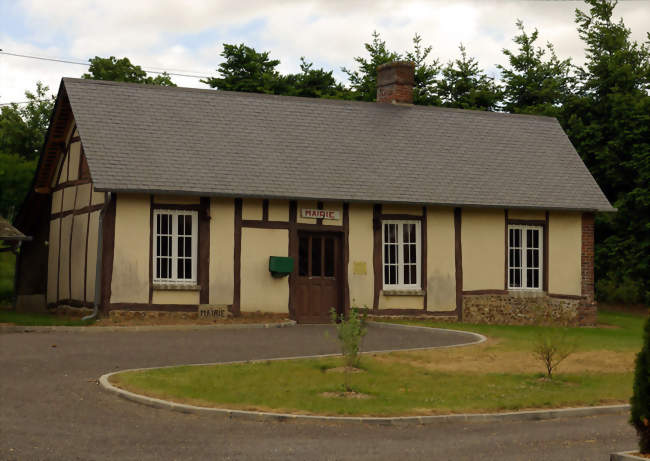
(517, 309)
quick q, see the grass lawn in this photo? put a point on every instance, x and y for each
(500, 374)
(29, 319)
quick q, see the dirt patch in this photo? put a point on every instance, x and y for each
(345, 370)
(345, 395)
(487, 359)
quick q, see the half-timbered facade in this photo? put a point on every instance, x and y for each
(174, 198)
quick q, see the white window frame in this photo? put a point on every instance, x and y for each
(400, 255)
(174, 256)
(524, 266)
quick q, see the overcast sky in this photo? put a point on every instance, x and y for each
(188, 35)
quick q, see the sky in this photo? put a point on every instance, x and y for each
(188, 36)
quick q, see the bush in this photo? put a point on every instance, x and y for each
(627, 291)
(552, 346)
(640, 402)
(350, 332)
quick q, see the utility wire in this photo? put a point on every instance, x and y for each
(64, 61)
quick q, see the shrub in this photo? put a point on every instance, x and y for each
(640, 401)
(552, 346)
(350, 332)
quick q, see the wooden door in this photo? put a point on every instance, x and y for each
(318, 281)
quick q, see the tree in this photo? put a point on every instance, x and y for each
(22, 134)
(534, 84)
(608, 121)
(23, 126)
(122, 70)
(640, 401)
(363, 81)
(313, 83)
(245, 69)
(466, 86)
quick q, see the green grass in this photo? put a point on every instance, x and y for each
(419, 382)
(29, 319)
(617, 331)
(394, 389)
(7, 262)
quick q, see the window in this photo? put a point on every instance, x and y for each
(524, 257)
(401, 254)
(175, 246)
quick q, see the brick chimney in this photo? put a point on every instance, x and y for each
(395, 82)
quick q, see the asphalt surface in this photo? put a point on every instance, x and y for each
(51, 407)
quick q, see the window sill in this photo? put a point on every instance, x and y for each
(402, 292)
(176, 287)
(526, 292)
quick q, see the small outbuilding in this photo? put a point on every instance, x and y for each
(157, 198)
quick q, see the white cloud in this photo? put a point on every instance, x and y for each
(188, 35)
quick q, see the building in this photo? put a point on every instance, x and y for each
(156, 198)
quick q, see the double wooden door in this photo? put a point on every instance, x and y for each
(317, 284)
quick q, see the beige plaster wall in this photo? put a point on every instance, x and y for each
(177, 199)
(69, 197)
(83, 196)
(78, 256)
(533, 215)
(222, 250)
(91, 266)
(64, 255)
(483, 248)
(401, 209)
(175, 297)
(279, 210)
(75, 156)
(441, 262)
(63, 177)
(57, 197)
(259, 290)
(98, 197)
(360, 265)
(53, 261)
(564, 253)
(252, 209)
(130, 282)
(401, 302)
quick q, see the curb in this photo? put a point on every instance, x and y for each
(140, 328)
(532, 415)
(262, 416)
(624, 455)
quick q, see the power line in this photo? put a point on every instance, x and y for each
(65, 61)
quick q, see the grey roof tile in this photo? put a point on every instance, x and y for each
(150, 139)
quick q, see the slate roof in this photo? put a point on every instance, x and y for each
(9, 232)
(149, 139)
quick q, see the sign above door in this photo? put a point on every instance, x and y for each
(319, 214)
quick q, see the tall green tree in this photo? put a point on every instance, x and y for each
(363, 80)
(22, 133)
(535, 81)
(608, 121)
(245, 69)
(465, 85)
(122, 70)
(313, 83)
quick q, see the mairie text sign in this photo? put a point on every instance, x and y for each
(319, 214)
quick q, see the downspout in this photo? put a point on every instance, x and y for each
(98, 267)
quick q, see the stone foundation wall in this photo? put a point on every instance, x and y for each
(524, 309)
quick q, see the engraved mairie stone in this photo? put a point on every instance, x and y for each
(213, 311)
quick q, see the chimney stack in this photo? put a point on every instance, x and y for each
(395, 81)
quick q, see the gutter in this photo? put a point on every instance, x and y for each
(98, 266)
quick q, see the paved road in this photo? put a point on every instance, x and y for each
(52, 408)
